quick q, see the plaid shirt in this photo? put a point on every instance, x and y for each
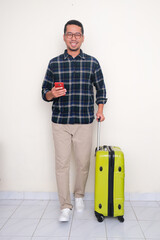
(79, 75)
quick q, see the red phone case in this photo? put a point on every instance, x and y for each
(59, 84)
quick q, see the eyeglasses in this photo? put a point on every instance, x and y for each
(70, 35)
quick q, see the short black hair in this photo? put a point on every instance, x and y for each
(74, 22)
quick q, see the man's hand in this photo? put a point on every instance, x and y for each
(58, 92)
(55, 93)
(99, 114)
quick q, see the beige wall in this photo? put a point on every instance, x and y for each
(124, 36)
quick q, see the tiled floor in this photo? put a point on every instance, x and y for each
(38, 220)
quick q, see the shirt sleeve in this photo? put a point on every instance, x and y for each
(99, 84)
(48, 83)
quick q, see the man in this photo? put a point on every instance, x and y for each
(73, 112)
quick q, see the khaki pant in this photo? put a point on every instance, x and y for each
(80, 136)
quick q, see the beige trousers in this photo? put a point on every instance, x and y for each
(80, 137)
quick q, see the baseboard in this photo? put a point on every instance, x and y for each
(88, 196)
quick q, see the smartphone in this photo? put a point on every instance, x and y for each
(59, 84)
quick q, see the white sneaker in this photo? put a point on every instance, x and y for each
(65, 215)
(79, 204)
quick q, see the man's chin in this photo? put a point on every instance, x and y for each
(73, 49)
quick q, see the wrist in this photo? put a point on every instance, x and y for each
(100, 108)
(49, 95)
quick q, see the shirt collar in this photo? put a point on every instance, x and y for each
(81, 54)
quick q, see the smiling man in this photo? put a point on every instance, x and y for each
(73, 112)
(73, 37)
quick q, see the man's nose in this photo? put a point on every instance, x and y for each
(73, 36)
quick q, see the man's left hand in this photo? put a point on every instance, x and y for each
(100, 116)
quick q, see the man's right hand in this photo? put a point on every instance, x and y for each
(58, 92)
(55, 93)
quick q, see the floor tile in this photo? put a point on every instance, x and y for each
(151, 229)
(29, 212)
(34, 203)
(7, 211)
(127, 229)
(88, 212)
(86, 238)
(127, 204)
(52, 210)
(147, 213)
(19, 227)
(38, 220)
(129, 213)
(10, 202)
(151, 239)
(15, 238)
(87, 229)
(52, 227)
(2, 222)
(144, 204)
(49, 238)
(122, 238)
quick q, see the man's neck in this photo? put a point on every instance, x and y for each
(73, 53)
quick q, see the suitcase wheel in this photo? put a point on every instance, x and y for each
(121, 218)
(99, 217)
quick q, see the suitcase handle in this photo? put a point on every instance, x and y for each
(98, 134)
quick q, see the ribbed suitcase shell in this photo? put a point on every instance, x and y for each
(109, 183)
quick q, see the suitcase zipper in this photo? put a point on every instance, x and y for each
(110, 181)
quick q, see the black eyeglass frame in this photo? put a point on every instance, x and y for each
(76, 35)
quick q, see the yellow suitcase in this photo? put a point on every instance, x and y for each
(109, 182)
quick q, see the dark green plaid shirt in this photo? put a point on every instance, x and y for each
(79, 75)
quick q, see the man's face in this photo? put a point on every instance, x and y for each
(73, 42)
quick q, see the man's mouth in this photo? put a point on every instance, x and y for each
(73, 44)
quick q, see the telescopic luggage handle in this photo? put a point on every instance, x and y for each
(98, 134)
